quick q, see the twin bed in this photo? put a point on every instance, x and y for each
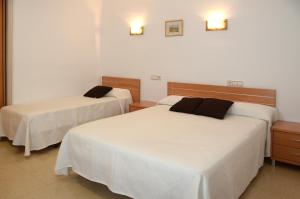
(155, 153)
(41, 124)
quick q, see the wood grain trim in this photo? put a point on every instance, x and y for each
(134, 85)
(289, 127)
(2, 53)
(252, 95)
(286, 139)
(286, 154)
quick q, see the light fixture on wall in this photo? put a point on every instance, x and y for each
(136, 28)
(216, 21)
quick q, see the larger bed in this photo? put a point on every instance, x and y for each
(155, 153)
(41, 124)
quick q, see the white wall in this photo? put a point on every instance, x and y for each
(261, 47)
(53, 48)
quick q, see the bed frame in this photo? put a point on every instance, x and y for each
(134, 85)
(252, 95)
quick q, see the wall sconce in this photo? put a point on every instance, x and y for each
(216, 22)
(136, 28)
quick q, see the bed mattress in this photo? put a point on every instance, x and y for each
(155, 153)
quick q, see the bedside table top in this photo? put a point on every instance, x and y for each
(290, 127)
(143, 104)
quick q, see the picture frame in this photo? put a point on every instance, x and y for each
(174, 28)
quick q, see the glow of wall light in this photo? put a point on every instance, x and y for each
(216, 21)
(137, 27)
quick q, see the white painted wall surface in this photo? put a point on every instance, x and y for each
(54, 48)
(261, 47)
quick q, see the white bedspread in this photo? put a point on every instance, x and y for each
(41, 124)
(155, 153)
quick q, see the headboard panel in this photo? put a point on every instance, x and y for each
(127, 83)
(253, 95)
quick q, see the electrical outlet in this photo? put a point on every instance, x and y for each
(229, 83)
(155, 77)
(234, 83)
(240, 84)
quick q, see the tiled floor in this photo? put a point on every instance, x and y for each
(33, 178)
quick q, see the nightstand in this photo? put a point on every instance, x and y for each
(141, 105)
(286, 142)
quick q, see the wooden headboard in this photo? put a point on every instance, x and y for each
(253, 95)
(127, 83)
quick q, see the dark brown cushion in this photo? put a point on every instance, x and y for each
(98, 91)
(186, 105)
(212, 107)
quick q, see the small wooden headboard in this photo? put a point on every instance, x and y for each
(127, 83)
(252, 95)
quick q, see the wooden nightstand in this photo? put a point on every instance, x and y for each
(141, 105)
(286, 142)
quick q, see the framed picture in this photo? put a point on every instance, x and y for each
(174, 28)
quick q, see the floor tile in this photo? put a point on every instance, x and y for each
(33, 178)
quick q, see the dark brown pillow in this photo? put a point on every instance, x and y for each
(215, 108)
(187, 105)
(98, 91)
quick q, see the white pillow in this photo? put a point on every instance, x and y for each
(119, 93)
(170, 100)
(262, 112)
(259, 111)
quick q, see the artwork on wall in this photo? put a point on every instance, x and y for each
(174, 28)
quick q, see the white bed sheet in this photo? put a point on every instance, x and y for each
(155, 153)
(41, 124)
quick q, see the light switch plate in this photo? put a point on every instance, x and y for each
(155, 77)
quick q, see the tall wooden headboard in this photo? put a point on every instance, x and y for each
(253, 95)
(134, 85)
